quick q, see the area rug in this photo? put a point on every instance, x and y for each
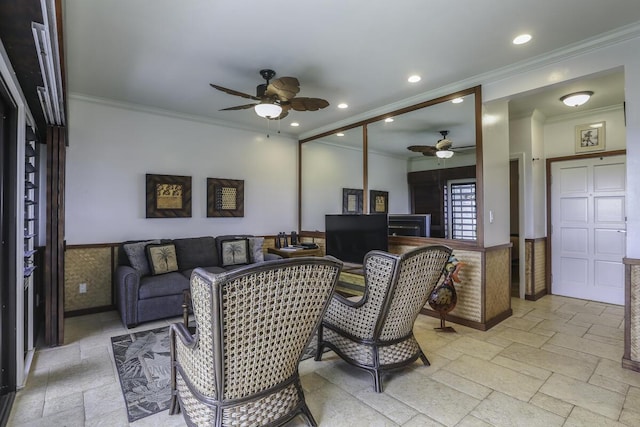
(143, 362)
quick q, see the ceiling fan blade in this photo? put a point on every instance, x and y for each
(308, 104)
(426, 150)
(239, 107)
(284, 88)
(234, 92)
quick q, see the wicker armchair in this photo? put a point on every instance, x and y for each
(376, 332)
(240, 368)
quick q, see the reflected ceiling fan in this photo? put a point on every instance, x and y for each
(443, 148)
(275, 98)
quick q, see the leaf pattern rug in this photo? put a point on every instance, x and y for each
(143, 362)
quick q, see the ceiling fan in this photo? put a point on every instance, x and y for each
(275, 98)
(443, 148)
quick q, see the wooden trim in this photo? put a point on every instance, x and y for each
(54, 249)
(482, 326)
(549, 161)
(365, 170)
(535, 297)
(91, 310)
(627, 313)
(299, 172)
(631, 261)
(479, 169)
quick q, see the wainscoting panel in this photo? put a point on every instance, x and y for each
(631, 358)
(535, 268)
(92, 266)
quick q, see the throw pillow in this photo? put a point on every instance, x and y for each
(162, 258)
(235, 252)
(255, 248)
(137, 256)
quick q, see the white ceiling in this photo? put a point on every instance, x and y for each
(162, 54)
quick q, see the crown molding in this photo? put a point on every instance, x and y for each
(170, 114)
(601, 41)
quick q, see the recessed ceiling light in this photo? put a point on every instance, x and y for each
(339, 134)
(522, 39)
(457, 100)
(343, 105)
(414, 79)
(576, 99)
(388, 119)
(295, 124)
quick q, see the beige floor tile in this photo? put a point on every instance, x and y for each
(549, 361)
(523, 337)
(96, 406)
(605, 340)
(518, 323)
(504, 411)
(440, 402)
(523, 368)
(470, 346)
(546, 314)
(581, 417)
(459, 383)
(63, 403)
(588, 396)
(422, 420)
(607, 331)
(578, 355)
(576, 307)
(26, 408)
(72, 418)
(392, 408)
(630, 417)
(471, 421)
(604, 319)
(551, 404)
(609, 384)
(616, 310)
(496, 377)
(632, 400)
(613, 370)
(562, 326)
(587, 346)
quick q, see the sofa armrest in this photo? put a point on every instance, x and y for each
(127, 287)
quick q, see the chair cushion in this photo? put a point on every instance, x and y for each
(213, 269)
(137, 255)
(162, 258)
(163, 284)
(195, 252)
(235, 252)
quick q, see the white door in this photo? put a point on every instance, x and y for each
(588, 232)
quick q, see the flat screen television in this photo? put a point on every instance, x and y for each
(350, 237)
(418, 225)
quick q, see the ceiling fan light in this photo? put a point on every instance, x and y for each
(444, 154)
(576, 99)
(268, 111)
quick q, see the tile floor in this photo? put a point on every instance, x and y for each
(555, 362)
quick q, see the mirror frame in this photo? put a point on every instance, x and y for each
(477, 91)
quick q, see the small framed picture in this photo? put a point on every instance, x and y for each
(168, 196)
(590, 137)
(378, 201)
(351, 201)
(225, 197)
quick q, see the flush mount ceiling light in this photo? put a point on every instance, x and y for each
(267, 110)
(444, 154)
(414, 79)
(343, 105)
(457, 100)
(576, 99)
(388, 119)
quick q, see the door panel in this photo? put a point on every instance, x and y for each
(587, 228)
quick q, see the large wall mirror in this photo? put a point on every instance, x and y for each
(374, 156)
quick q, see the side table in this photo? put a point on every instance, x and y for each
(295, 252)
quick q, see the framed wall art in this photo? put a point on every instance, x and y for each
(590, 137)
(168, 196)
(351, 201)
(225, 197)
(378, 201)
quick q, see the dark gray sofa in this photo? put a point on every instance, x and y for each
(142, 297)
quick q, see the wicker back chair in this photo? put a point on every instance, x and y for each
(376, 332)
(240, 368)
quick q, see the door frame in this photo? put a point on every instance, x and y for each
(548, 189)
(519, 157)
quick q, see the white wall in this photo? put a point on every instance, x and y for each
(390, 174)
(575, 66)
(495, 164)
(111, 148)
(326, 170)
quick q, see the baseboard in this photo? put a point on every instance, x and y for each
(470, 323)
(630, 364)
(537, 296)
(92, 310)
